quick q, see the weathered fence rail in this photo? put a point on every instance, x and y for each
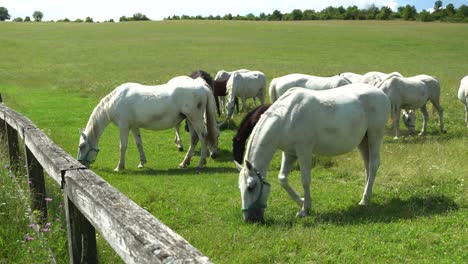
(90, 202)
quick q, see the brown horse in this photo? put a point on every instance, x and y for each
(219, 90)
(245, 129)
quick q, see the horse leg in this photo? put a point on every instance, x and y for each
(370, 151)
(222, 103)
(177, 138)
(305, 164)
(440, 110)
(364, 150)
(217, 106)
(244, 100)
(396, 121)
(425, 118)
(286, 165)
(139, 143)
(466, 112)
(188, 156)
(123, 147)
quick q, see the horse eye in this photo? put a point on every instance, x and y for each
(250, 188)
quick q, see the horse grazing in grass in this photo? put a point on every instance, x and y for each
(132, 106)
(375, 78)
(412, 93)
(280, 85)
(245, 129)
(196, 74)
(305, 122)
(220, 91)
(245, 85)
(463, 96)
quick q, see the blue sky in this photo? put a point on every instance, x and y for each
(101, 10)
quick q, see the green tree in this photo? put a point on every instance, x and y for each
(18, 19)
(437, 6)
(89, 20)
(309, 15)
(409, 13)
(450, 9)
(140, 17)
(425, 16)
(38, 15)
(296, 14)
(384, 13)
(4, 15)
(276, 16)
(462, 11)
(27, 19)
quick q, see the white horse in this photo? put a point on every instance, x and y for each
(352, 77)
(280, 85)
(245, 85)
(412, 93)
(375, 78)
(304, 122)
(463, 96)
(224, 75)
(132, 106)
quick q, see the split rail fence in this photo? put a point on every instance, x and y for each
(90, 202)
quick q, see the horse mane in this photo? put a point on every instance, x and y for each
(205, 76)
(250, 119)
(245, 129)
(99, 118)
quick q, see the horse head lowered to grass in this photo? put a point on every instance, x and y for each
(304, 122)
(132, 106)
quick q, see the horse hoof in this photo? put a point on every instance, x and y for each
(181, 149)
(301, 214)
(422, 134)
(141, 166)
(395, 138)
(182, 166)
(444, 131)
(362, 203)
(118, 169)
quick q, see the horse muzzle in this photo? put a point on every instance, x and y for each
(254, 216)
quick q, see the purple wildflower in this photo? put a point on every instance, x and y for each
(32, 225)
(48, 199)
(28, 238)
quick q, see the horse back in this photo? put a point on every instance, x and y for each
(333, 121)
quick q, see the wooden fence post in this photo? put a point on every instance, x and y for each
(82, 246)
(36, 184)
(2, 124)
(13, 147)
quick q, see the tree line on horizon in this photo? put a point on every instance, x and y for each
(408, 12)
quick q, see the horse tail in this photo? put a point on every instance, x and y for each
(211, 124)
(272, 90)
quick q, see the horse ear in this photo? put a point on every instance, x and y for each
(238, 166)
(83, 134)
(248, 164)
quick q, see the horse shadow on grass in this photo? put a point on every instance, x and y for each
(394, 210)
(154, 172)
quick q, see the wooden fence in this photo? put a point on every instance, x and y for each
(90, 202)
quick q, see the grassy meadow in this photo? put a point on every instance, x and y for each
(56, 73)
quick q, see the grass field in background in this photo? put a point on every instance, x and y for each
(56, 73)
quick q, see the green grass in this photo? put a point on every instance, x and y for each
(56, 73)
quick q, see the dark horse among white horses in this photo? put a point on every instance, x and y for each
(132, 106)
(304, 122)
